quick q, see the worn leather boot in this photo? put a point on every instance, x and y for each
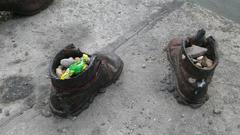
(191, 80)
(70, 97)
(24, 7)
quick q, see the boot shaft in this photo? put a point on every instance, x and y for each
(75, 83)
(188, 64)
(193, 80)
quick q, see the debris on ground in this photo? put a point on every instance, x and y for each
(70, 67)
(217, 111)
(46, 113)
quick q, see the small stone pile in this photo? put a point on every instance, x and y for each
(198, 56)
(65, 64)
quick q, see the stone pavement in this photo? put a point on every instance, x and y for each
(142, 101)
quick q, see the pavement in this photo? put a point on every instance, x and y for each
(141, 102)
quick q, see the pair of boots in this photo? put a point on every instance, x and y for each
(70, 97)
(24, 7)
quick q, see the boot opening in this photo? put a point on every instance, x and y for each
(72, 53)
(201, 52)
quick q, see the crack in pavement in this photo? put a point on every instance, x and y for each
(150, 22)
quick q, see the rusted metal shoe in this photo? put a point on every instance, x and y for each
(70, 97)
(192, 79)
(24, 7)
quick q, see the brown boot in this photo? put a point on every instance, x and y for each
(191, 79)
(24, 7)
(72, 96)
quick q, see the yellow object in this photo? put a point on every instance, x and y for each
(86, 58)
(66, 75)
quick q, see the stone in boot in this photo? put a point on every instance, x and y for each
(71, 96)
(24, 7)
(191, 79)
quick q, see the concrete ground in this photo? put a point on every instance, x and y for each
(141, 102)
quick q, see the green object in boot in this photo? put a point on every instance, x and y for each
(77, 67)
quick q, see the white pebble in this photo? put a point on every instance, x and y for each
(183, 57)
(198, 64)
(200, 58)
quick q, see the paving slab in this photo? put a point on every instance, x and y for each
(141, 102)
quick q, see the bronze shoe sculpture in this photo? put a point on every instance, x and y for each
(70, 97)
(194, 61)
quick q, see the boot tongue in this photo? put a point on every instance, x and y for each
(200, 38)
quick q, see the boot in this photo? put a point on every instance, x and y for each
(24, 7)
(70, 97)
(191, 80)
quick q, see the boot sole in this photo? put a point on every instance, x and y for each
(179, 96)
(89, 100)
(35, 11)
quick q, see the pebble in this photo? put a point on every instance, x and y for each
(217, 111)
(207, 62)
(183, 57)
(46, 113)
(200, 58)
(62, 131)
(198, 64)
(59, 72)
(74, 118)
(153, 58)
(192, 80)
(196, 51)
(67, 62)
(143, 66)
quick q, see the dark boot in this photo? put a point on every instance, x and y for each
(24, 7)
(192, 81)
(72, 96)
